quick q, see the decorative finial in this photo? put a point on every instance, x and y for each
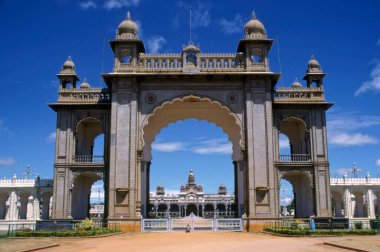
(69, 58)
(355, 170)
(128, 15)
(312, 57)
(27, 172)
(253, 15)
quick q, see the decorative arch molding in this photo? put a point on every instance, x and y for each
(99, 175)
(186, 107)
(295, 118)
(100, 119)
(301, 171)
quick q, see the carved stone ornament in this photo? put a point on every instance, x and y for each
(232, 98)
(150, 98)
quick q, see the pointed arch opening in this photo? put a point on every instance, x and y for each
(202, 109)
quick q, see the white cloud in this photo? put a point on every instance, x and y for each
(155, 44)
(97, 192)
(284, 142)
(343, 129)
(51, 137)
(117, 4)
(86, 5)
(373, 83)
(7, 161)
(232, 26)
(353, 139)
(213, 146)
(168, 147)
(200, 14)
(378, 163)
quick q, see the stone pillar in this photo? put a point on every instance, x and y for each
(61, 198)
(318, 152)
(347, 204)
(144, 188)
(13, 208)
(370, 205)
(36, 208)
(239, 187)
(124, 183)
(261, 191)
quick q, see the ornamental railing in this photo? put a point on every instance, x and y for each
(355, 181)
(85, 95)
(88, 159)
(295, 158)
(193, 224)
(202, 62)
(303, 94)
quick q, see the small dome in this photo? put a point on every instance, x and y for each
(313, 65)
(85, 84)
(296, 84)
(69, 64)
(254, 28)
(191, 48)
(128, 26)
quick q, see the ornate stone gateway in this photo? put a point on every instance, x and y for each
(146, 92)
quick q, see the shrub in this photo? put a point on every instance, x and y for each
(86, 224)
(290, 231)
(98, 231)
(358, 225)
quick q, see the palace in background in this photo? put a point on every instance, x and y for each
(192, 199)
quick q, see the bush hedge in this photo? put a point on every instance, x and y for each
(94, 232)
(290, 231)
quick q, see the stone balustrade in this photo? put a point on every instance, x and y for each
(299, 94)
(85, 96)
(295, 158)
(175, 62)
(355, 181)
(88, 159)
(16, 182)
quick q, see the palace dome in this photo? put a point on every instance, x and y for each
(191, 48)
(69, 64)
(128, 26)
(85, 84)
(313, 65)
(296, 84)
(254, 28)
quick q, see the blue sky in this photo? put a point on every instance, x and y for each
(37, 39)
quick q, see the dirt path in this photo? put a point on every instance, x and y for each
(194, 242)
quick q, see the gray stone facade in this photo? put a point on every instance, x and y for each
(146, 92)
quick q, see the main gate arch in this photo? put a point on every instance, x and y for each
(236, 91)
(195, 107)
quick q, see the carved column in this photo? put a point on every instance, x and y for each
(347, 203)
(370, 204)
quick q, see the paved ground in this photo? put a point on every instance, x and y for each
(194, 242)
